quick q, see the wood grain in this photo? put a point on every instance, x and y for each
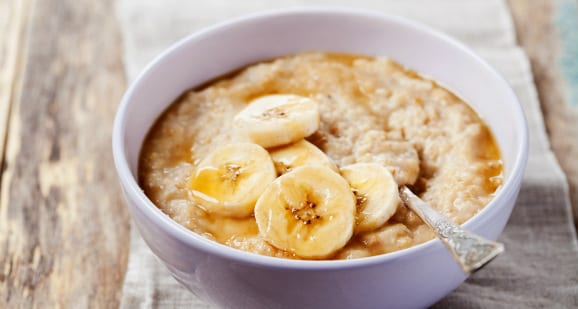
(13, 22)
(538, 34)
(64, 227)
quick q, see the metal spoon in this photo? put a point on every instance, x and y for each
(471, 251)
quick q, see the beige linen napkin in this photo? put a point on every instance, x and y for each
(540, 266)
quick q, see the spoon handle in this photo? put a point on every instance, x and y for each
(471, 251)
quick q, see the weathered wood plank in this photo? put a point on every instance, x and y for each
(13, 18)
(63, 225)
(538, 33)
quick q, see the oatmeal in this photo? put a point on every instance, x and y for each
(356, 114)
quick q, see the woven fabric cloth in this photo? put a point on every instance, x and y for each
(540, 266)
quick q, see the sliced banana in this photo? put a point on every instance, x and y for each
(376, 193)
(310, 211)
(231, 178)
(288, 157)
(276, 120)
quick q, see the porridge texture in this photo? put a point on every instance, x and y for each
(371, 110)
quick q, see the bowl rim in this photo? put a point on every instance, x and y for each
(192, 239)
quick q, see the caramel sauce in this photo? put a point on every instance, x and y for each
(168, 146)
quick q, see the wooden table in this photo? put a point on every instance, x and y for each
(64, 230)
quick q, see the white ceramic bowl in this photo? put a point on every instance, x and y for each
(410, 278)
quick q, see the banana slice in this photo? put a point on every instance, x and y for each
(309, 211)
(297, 154)
(231, 178)
(276, 120)
(376, 194)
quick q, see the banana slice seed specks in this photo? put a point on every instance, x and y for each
(377, 196)
(231, 178)
(276, 120)
(309, 211)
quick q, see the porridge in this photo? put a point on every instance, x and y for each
(301, 157)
